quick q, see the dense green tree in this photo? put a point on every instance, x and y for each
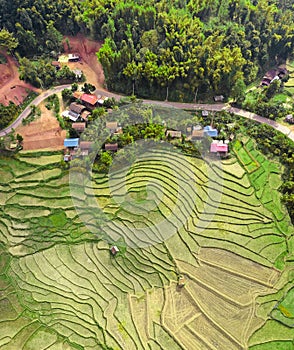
(238, 91)
(7, 40)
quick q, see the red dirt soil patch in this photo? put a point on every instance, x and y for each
(11, 87)
(89, 64)
(44, 132)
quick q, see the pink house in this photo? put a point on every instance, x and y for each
(219, 147)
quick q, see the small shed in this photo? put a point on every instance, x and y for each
(289, 119)
(85, 115)
(114, 250)
(13, 145)
(111, 147)
(78, 73)
(73, 116)
(67, 157)
(181, 281)
(56, 64)
(219, 98)
(77, 94)
(174, 134)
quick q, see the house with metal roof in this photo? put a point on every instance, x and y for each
(77, 107)
(209, 131)
(79, 127)
(71, 143)
(219, 147)
(89, 100)
(111, 147)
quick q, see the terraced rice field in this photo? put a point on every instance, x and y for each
(218, 224)
(289, 85)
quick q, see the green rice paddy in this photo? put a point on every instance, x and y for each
(62, 289)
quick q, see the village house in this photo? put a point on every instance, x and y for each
(272, 75)
(289, 119)
(79, 127)
(174, 134)
(71, 143)
(73, 57)
(197, 134)
(209, 131)
(76, 107)
(86, 145)
(111, 147)
(89, 100)
(219, 147)
(74, 111)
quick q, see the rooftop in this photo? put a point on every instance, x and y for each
(71, 142)
(88, 98)
(174, 133)
(86, 145)
(79, 126)
(111, 147)
(219, 146)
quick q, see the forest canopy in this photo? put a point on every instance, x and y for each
(162, 48)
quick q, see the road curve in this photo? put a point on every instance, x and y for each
(210, 107)
(26, 112)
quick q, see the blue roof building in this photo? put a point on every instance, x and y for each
(71, 142)
(209, 131)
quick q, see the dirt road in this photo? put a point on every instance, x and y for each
(25, 113)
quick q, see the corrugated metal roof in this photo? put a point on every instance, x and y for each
(91, 99)
(71, 142)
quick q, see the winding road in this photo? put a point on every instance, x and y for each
(210, 107)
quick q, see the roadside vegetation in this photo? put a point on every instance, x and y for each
(9, 113)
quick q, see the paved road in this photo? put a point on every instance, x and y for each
(26, 112)
(210, 107)
(282, 128)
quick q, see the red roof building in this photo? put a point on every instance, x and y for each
(89, 100)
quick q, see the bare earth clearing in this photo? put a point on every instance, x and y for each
(89, 64)
(44, 132)
(11, 87)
